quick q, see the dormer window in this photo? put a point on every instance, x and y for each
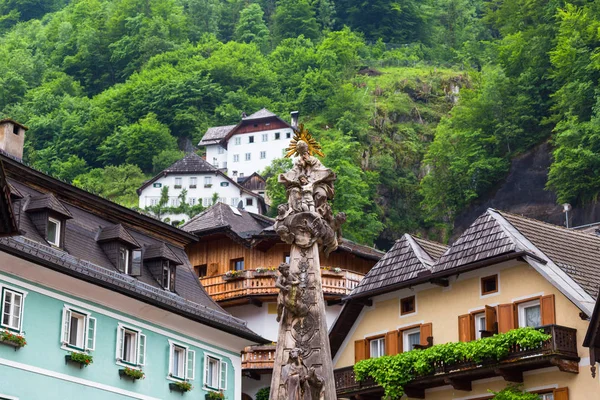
(53, 232)
(168, 276)
(162, 263)
(124, 259)
(121, 249)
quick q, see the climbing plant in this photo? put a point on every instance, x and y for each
(263, 394)
(392, 373)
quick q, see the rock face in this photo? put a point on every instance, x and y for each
(523, 192)
(303, 367)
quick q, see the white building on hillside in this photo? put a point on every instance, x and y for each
(202, 181)
(251, 145)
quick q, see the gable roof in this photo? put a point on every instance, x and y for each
(215, 134)
(116, 232)
(160, 251)
(46, 202)
(260, 114)
(404, 261)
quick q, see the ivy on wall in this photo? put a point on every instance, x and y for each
(393, 372)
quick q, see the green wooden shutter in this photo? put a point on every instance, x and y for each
(223, 384)
(142, 349)
(66, 325)
(91, 333)
(191, 365)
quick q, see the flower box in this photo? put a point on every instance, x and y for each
(332, 272)
(215, 396)
(265, 272)
(234, 275)
(181, 387)
(131, 373)
(209, 185)
(12, 339)
(79, 358)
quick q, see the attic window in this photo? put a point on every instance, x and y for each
(15, 129)
(407, 305)
(250, 139)
(124, 259)
(489, 284)
(277, 135)
(53, 233)
(201, 270)
(267, 123)
(168, 276)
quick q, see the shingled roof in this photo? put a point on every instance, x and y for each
(215, 134)
(116, 232)
(402, 262)
(160, 251)
(222, 217)
(46, 202)
(260, 114)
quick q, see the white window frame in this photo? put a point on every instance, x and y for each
(521, 311)
(21, 317)
(66, 327)
(263, 155)
(127, 268)
(405, 343)
(179, 182)
(221, 373)
(193, 182)
(166, 265)
(220, 150)
(58, 229)
(477, 321)
(237, 141)
(250, 139)
(380, 345)
(288, 135)
(141, 344)
(188, 374)
(236, 158)
(277, 135)
(207, 180)
(265, 137)
(248, 157)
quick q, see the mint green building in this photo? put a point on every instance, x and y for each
(100, 302)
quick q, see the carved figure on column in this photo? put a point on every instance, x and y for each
(287, 283)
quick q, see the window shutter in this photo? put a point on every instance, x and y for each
(171, 349)
(400, 342)
(490, 319)
(91, 333)
(561, 394)
(223, 371)
(191, 365)
(426, 331)
(391, 343)
(142, 349)
(136, 267)
(360, 350)
(506, 317)
(464, 328)
(173, 272)
(66, 325)
(548, 310)
(206, 366)
(119, 350)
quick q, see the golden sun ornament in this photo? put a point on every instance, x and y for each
(302, 134)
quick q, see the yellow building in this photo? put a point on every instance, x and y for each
(504, 272)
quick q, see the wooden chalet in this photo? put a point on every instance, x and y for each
(504, 272)
(592, 338)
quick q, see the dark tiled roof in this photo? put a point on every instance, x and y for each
(434, 249)
(221, 216)
(116, 232)
(260, 114)
(576, 253)
(215, 134)
(192, 163)
(83, 257)
(46, 202)
(361, 249)
(401, 263)
(484, 239)
(160, 251)
(8, 224)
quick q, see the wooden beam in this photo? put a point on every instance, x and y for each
(416, 393)
(510, 375)
(459, 384)
(566, 365)
(251, 374)
(440, 282)
(365, 302)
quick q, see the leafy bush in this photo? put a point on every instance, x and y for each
(263, 394)
(393, 372)
(82, 358)
(216, 395)
(514, 392)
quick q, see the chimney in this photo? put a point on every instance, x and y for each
(294, 115)
(12, 137)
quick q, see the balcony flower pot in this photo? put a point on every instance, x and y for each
(260, 271)
(181, 387)
(233, 275)
(215, 396)
(12, 339)
(332, 271)
(131, 373)
(82, 359)
(208, 186)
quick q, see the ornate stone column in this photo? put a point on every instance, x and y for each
(303, 367)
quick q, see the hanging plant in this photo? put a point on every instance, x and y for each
(83, 359)
(13, 339)
(215, 396)
(183, 386)
(132, 373)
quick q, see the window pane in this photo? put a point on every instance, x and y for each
(175, 366)
(414, 338)
(16, 313)
(532, 316)
(52, 230)
(73, 330)
(130, 347)
(7, 304)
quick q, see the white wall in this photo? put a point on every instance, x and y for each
(229, 194)
(216, 155)
(250, 386)
(273, 149)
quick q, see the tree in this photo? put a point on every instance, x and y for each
(276, 191)
(251, 27)
(293, 18)
(115, 183)
(165, 159)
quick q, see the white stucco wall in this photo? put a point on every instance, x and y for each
(217, 156)
(250, 385)
(273, 149)
(228, 194)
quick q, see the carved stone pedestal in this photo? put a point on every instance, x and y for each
(303, 363)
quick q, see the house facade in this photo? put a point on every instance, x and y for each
(504, 272)
(236, 260)
(101, 302)
(251, 145)
(202, 182)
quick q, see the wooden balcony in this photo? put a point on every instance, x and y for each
(256, 287)
(559, 351)
(258, 360)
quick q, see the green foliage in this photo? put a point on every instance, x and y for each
(251, 27)
(263, 394)
(393, 372)
(293, 18)
(165, 159)
(82, 358)
(118, 184)
(275, 190)
(514, 392)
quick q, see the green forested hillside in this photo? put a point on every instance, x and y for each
(419, 104)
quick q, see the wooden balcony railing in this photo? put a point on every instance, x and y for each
(258, 358)
(252, 283)
(560, 350)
